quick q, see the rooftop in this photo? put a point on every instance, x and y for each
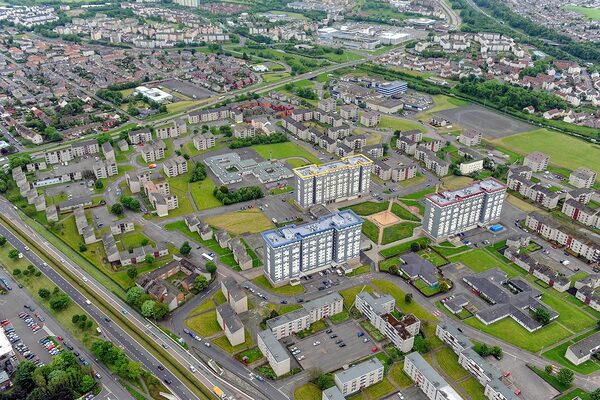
(589, 345)
(291, 233)
(448, 197)
(275, 348)
(230, 318)
(359, 370)
(432, 376)
(312, 170)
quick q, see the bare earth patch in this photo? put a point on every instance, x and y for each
(384, 218)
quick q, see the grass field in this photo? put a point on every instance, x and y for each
(179, 187)
(202, 194)
(349, 295)
(224, 344)
(554, 144)
(379, 390)
(401, 248)
(557, 355)
(450, 251)
(204, 324)
(480, 260)
(274, 76)
(591, 13)
(531, 341)
(368, 208)
(570, 316)
(583, 395)
(287, 290)
(432, 257)
(398, 232)
(397, 375)
(441, 103)
(284, 150)
(398, 294)
(403, 213)
(308, 391)
(473, 388)
(448, 361)
(456, 182)
(239, 222)
(396, 123)
(370, 230)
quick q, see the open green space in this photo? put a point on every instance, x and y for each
(448, 362)
(204, 324)
(401, 124)
(286, 290)
(340, 317)
(349, 294)
(424, 288)
(402, 247)
(274, 76)
(403, 213)
(573, 394)
(284, 150)
(240, 222)
(557, 354)
(473, 388)
(531, 341)
(591, 13)
(432, 257)
(441, 102)
(398, 294)
(363, 269)
(308, 391)
(398, 232)
(250, 355)
(370, 230)
(179, 186)
(202, 194)
(418, 195)
(379, 390)
(552, 143)
(368, 208)
(224, 344)
(480, 260)
(570, 316)
(398, 375)
(206, 305)
(448, 249)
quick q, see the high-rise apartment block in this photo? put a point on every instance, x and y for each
(340, 180)
(295, 251)
(454, 211)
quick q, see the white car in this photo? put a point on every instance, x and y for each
(316, 343)
(193, 369)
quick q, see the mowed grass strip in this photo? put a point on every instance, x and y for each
(448, 362)
(368, 208)
(570, 316)
(284, 150)
(398, 232)
(240, 222)
(579, 153)
(205, 324)
(286, 290)
(308, 391)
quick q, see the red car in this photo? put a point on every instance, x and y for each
(60, 338)
(374, 349)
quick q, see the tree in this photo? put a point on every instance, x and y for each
(149, 259)
(44, 293)
(16, 272)
(421, 345)
(99, 184)
(185, 248)
(497, 352)
(542, 315)
(408, 298)
(200, 283)
(60, 301)
(145, 242)
(325, 381)
(82, 247)
(211, 267)
(116, 209)
(565, 377)
(444, 287)
(132, 272)
(595, 395)
(131, 203)
(414, 247)
(13, 254)
(394, 270)
(160, 310)
(134, 295)
(148, 308)
(548, 369)
(19, 160)
(75, 319)
(86, 383)
(2, 241)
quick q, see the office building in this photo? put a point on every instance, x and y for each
(345, 179)
(454, 211)
(427, 379)
(379, 312)
(298, 250)
(392, 88)
(359, 376)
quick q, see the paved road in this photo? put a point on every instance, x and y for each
(134, 349)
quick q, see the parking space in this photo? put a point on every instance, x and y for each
(102, 217)
(73, 189)
(328, 355)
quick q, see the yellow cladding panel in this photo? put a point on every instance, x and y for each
(346, 166)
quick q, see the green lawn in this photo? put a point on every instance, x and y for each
(253, 354)
(403, 213)
(202, 194)
(448, 362)
(449, 250)
(284, 150)
(370, 230)
(339, 318)
(553, 143)
(557, 355)
(206, 305)
(135, 239)
(591, 13)
(224, 344)
(531, 341)
(570, 316)
(480, 260)
(308, 391)
(398, 294)
(349, 295)
(419, 195)
(582, 394)
(179, 186)
(398, 232)
(402, 247)
(286, 290)
(204, 324)
(396, 123)
(363, 269)
(473, 388)
(397, 375)
(240, 222)
(274, 76)
(368, 208)
(432, 257)
(379, 390)
(441, 102)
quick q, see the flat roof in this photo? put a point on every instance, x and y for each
(312, 170)
(291, 233)
(432, 376)
(448, 197)
(275, 348)
(359, 370)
